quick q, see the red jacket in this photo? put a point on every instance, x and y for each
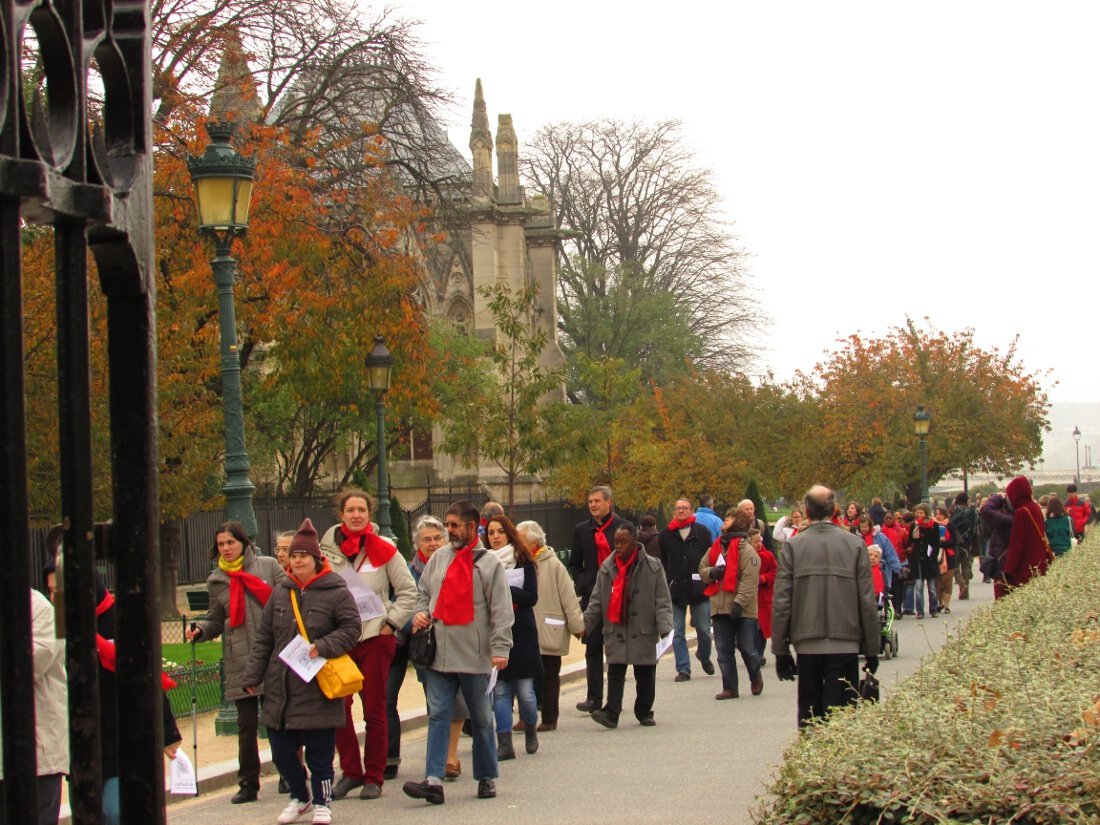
(896, 534)
(768, 569)
(1079, 510)
(1026, 554)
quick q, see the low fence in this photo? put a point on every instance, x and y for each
(206, 683)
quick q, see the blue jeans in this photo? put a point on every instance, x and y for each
(735, 634)
(700, 620)
(524, 692)
(441, 689)
(918, 592)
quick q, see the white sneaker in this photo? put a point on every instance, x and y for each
(294, 811)
(322, 815)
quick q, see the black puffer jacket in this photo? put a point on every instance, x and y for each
(332, 623)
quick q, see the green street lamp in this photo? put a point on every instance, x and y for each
(922, 420)
(223, 189)
(379, 365)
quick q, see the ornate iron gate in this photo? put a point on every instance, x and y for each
(87, 171)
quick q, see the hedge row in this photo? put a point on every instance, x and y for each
(1001, 725)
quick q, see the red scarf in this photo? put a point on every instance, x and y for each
(239, 581)
(680, 525)
(868, 537)
(603, 547)
(616, 605)
(455, 603)
(379, 551)
(733, 562)
(420, 555)
(106, 648)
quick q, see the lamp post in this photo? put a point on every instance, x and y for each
(223, 189)
(1077, 445)
(379, 364)
(922, 420)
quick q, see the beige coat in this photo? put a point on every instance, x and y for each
(51, 695)
(394, 575)
(558, 610)
(748, 583)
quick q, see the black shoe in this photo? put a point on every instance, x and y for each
(648, 722)
(245, 795)
(284, 786)
(530, 739)
(486, 789)
(588, 705)
(390, 772)
(604, 718)
(505, 749)
(708, 668)
(345, 786)
(422, 790)
(763, 662)
(468, 728)
(370, 791)
(682, 677)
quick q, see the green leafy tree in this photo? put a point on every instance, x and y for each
(502, 416)
(752, 493)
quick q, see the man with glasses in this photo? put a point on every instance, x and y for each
(464, 593)
(681, 546)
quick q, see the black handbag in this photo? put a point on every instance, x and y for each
(868, 687)
(422, 647)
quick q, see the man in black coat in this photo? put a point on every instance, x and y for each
(593, 542)
(681, 546)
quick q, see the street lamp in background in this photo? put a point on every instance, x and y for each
(223, 189)
(379, 364)
(1077, 445)
(922, 420)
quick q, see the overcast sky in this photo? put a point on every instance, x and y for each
(875, 158)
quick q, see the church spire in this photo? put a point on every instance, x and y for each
(481, 146)
(235, 96)
(507, 161)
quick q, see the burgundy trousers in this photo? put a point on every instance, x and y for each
(373, 656)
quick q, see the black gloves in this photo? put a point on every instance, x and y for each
(785, 668)
(735, 611)
(872, 664)
(717, 573)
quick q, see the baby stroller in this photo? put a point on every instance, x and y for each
(888, 639)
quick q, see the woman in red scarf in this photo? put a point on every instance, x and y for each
(239, 588)
(385, 592)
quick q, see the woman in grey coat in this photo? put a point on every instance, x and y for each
(239, 587)
(296, 712)
(631, 597)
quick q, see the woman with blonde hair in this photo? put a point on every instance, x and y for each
(557, 614)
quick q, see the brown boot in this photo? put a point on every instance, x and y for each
(964, 592)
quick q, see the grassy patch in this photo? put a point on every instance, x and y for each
(1001, 725)
(180, 654)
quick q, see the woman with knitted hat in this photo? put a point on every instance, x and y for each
(296, 712)
(372, 567)
(239, 588)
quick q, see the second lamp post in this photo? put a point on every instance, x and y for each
(922, 420)
(379, 365)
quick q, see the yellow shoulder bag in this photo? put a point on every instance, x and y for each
(339, 677)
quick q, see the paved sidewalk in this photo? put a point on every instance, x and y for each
(705, 759)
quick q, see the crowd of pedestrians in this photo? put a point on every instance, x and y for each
(502, 610)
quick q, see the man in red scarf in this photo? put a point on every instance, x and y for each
(631, 605)
(463, 594)
(592, 544)
(680, 547)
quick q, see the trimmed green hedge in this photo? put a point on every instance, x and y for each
(1001, 725)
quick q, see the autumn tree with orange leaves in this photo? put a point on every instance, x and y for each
(988, 411)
